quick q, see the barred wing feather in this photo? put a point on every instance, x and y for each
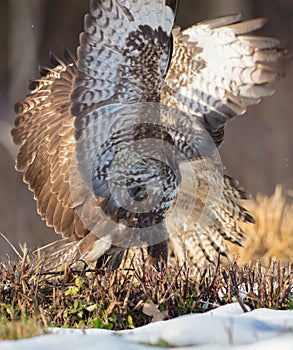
(218, 70)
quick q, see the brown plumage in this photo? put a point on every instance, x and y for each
(83, 114)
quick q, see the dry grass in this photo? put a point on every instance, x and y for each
(272, 235)
(21, 328)
(130, 298)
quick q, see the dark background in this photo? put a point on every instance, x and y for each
(258, 148)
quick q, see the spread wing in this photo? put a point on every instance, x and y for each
(123, 58)
(45, 133)
(218, 69)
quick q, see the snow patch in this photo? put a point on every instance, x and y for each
(226, 326)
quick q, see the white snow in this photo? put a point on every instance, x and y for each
(221, 328)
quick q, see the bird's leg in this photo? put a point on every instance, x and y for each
(110, 261)
(115, 260)
(158, 253)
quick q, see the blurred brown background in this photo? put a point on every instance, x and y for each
(258, 149)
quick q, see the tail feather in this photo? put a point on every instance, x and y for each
(56, 254)
(76, 254)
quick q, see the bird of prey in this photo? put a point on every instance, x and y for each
(119, 145)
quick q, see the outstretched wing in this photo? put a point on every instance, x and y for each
(123, 58)
(216, 72)
(218, 69)
(45, 133)
(123, 54)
